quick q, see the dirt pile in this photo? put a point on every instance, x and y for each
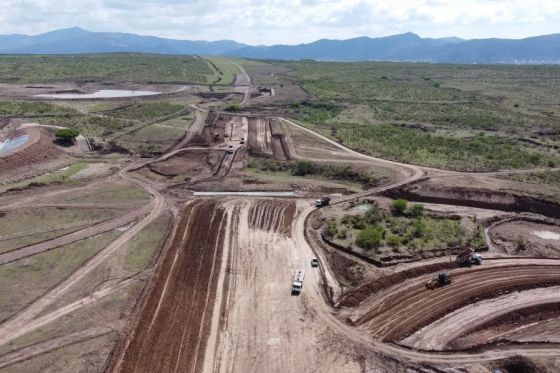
(273, 215)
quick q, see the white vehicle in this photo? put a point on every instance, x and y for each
(297, 285)
(314, 262)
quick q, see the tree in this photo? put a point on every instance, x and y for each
(399, 206)
(302, 168)
(370, 237)
(66, 135)
(416, 210)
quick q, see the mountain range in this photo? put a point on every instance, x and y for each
(403, 47)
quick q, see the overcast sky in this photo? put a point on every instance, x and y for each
(286, 21)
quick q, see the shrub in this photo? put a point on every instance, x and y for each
(393, 240)
(66, 135)
(370, 237)
(399, 206)
(416, 210)
(303, 168)
(419, 228)
(234, 108)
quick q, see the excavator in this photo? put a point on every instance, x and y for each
(441, 280)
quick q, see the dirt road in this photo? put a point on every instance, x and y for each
(13, 327)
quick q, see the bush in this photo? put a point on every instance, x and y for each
(303, 168)
(419, 228)
(66, 135)
(234, 108)
(370, 237)
(393, 241)
(416, 210)
(399, 206)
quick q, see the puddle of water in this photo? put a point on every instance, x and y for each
(547, 235)
(104, 93)
(12, 144)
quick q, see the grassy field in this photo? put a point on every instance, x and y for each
(146, 111)
(433, 114)
(25, 108)
(546, 177)
(35, 275)
(121, 67)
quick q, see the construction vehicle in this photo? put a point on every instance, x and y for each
(441, 280)
(323, 201)
(468, 257)
(297, 284)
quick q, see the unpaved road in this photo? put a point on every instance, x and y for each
(81, 234)
(12, 327)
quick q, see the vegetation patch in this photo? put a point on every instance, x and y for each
(406, 232)
(147, 111)
(30, 108)
(118, 67)
(308, 168)
(410, 145)
(91, 125)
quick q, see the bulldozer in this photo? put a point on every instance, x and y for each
(441, 280)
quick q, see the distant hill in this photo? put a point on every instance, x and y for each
(411, 47)
(76, 40)
(403, 47)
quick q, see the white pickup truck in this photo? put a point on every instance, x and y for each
(297, 285)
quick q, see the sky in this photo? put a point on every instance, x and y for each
(286, 21)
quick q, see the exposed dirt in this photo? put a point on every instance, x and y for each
(510, 308)
(470, 194)
(273, 215)
(40, 148)
(172, 331)
(399, 313)
(517, 326)
(525, 238)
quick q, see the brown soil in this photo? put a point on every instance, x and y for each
(355, 296)
(521, 238)
(405, 311)
(191, 163)
(40, 148)
(174, 324)
(273, 215)
(432, 191)
(486, 333)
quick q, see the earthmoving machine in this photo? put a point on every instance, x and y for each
(468, 257)
(297, 284)
(441, 280)
(323, 201)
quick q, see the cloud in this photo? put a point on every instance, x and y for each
(285, 21)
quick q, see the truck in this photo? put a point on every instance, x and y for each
(441, 280)
(323, 201)
(297, 284)
(468, 257)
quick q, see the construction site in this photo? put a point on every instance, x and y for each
(201, 259)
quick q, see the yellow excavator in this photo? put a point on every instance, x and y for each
(441, 280)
